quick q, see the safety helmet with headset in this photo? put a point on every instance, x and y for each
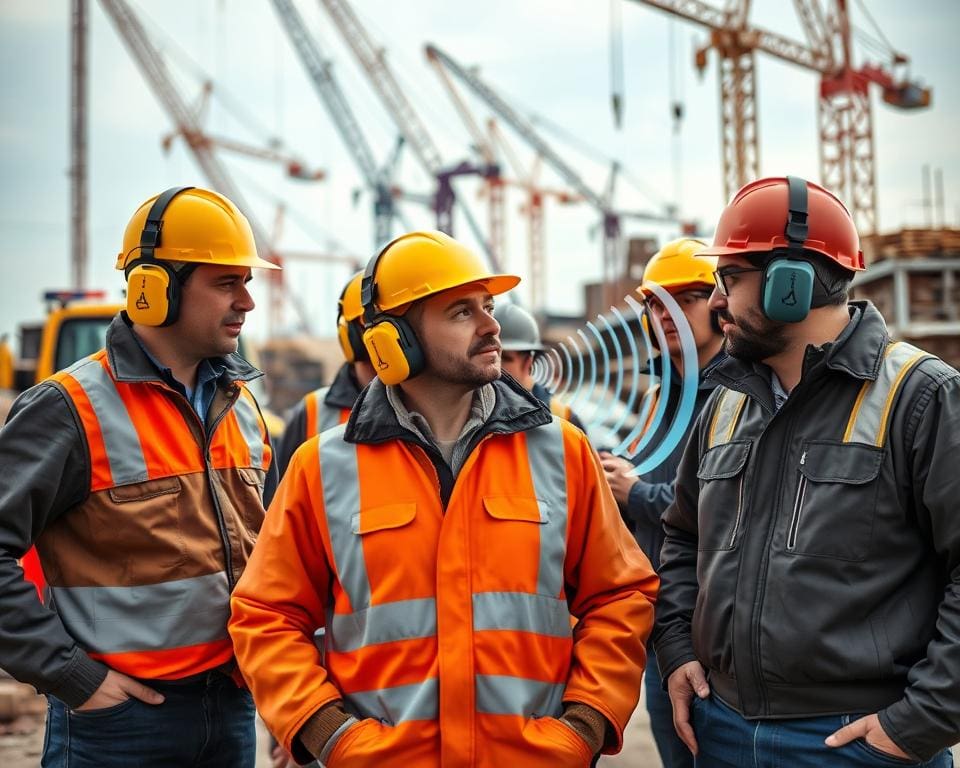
(786, 224)
(679, 265)
(349, 321)
(409, 268)
(186, 227)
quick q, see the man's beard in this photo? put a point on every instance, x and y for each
(459, 370)
(754, 340)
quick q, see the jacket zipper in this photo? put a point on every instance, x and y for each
(797, 507)
(218, 510)
(736, 522)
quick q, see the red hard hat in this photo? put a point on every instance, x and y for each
(755, 222)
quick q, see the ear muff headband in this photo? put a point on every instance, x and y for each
(787, 292)
(389, 340)
(153, 287)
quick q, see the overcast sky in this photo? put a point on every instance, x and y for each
(550, 57)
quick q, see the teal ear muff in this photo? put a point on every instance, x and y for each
(788, 278)
(787, 290)
(390, 341)
(153, 287)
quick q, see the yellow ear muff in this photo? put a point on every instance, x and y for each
(152, 294)
(343, 336)
(385, 344)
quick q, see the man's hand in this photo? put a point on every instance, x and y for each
(683, 683)
(117, 688)
(869, 729)
(615, 469)
(280, 758)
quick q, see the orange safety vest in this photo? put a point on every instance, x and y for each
(320, 416)
(449, 632)
(140, 573)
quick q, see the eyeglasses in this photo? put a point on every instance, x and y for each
(684, 299)
(721, 275)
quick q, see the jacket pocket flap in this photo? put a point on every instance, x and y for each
(384, 517)
(724, 461)
(851, 463)
(252, 476)
(515, 508)
(146, 490)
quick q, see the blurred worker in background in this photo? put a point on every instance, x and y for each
(138, 473)
(679, 268)
(444, 537)
(328, 406)
(519, 345)
(810, 610)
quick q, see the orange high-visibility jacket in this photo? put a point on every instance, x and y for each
(140, 572)
(448, 626)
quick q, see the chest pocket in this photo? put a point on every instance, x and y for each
(835, 501)
(721, 475)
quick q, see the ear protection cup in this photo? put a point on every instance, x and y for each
(350, 336)
(645, 324)
(389, 340)
(394, 349)
(787, 290)
(153, 288)
(153, 294)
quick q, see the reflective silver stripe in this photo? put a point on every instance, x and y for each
(120, 438)
(317, 396)
(401, 620)
(874, 404)
(398, 704)
(521, 612)
(726, 414)
(341, 500)
(504, 695)
(249, 421)
(146, 618)
(545, 452)
(327, 416)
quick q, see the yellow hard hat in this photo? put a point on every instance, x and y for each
(420, 264)
(197, 226)
(351, 308)
(678, 265)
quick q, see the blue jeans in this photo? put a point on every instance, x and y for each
(673, 752)
(728, 740)
(205, 722)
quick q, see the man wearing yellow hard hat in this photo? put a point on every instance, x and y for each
(444, 536)
(138, 474)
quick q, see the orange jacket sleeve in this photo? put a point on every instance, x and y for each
(278, 603)
(611, 588)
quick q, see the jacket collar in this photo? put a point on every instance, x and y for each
(373, 419)
(129, 363)
(705, 382)
(344, 390)
(858, 351)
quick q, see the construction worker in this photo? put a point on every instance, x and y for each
(138, 474)
(810, 610)
(688, 277)
(444, 537)
(519, 345)
(328, 406)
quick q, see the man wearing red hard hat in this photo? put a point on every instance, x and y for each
(809, 612)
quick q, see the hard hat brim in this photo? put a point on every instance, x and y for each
(515, 346)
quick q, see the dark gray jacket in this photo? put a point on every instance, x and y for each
(811, 576)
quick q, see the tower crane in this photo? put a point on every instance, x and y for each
(845, 116)
(373, 61)
(151, 64)
(602, 202)
(377, 178)
(488, 143)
